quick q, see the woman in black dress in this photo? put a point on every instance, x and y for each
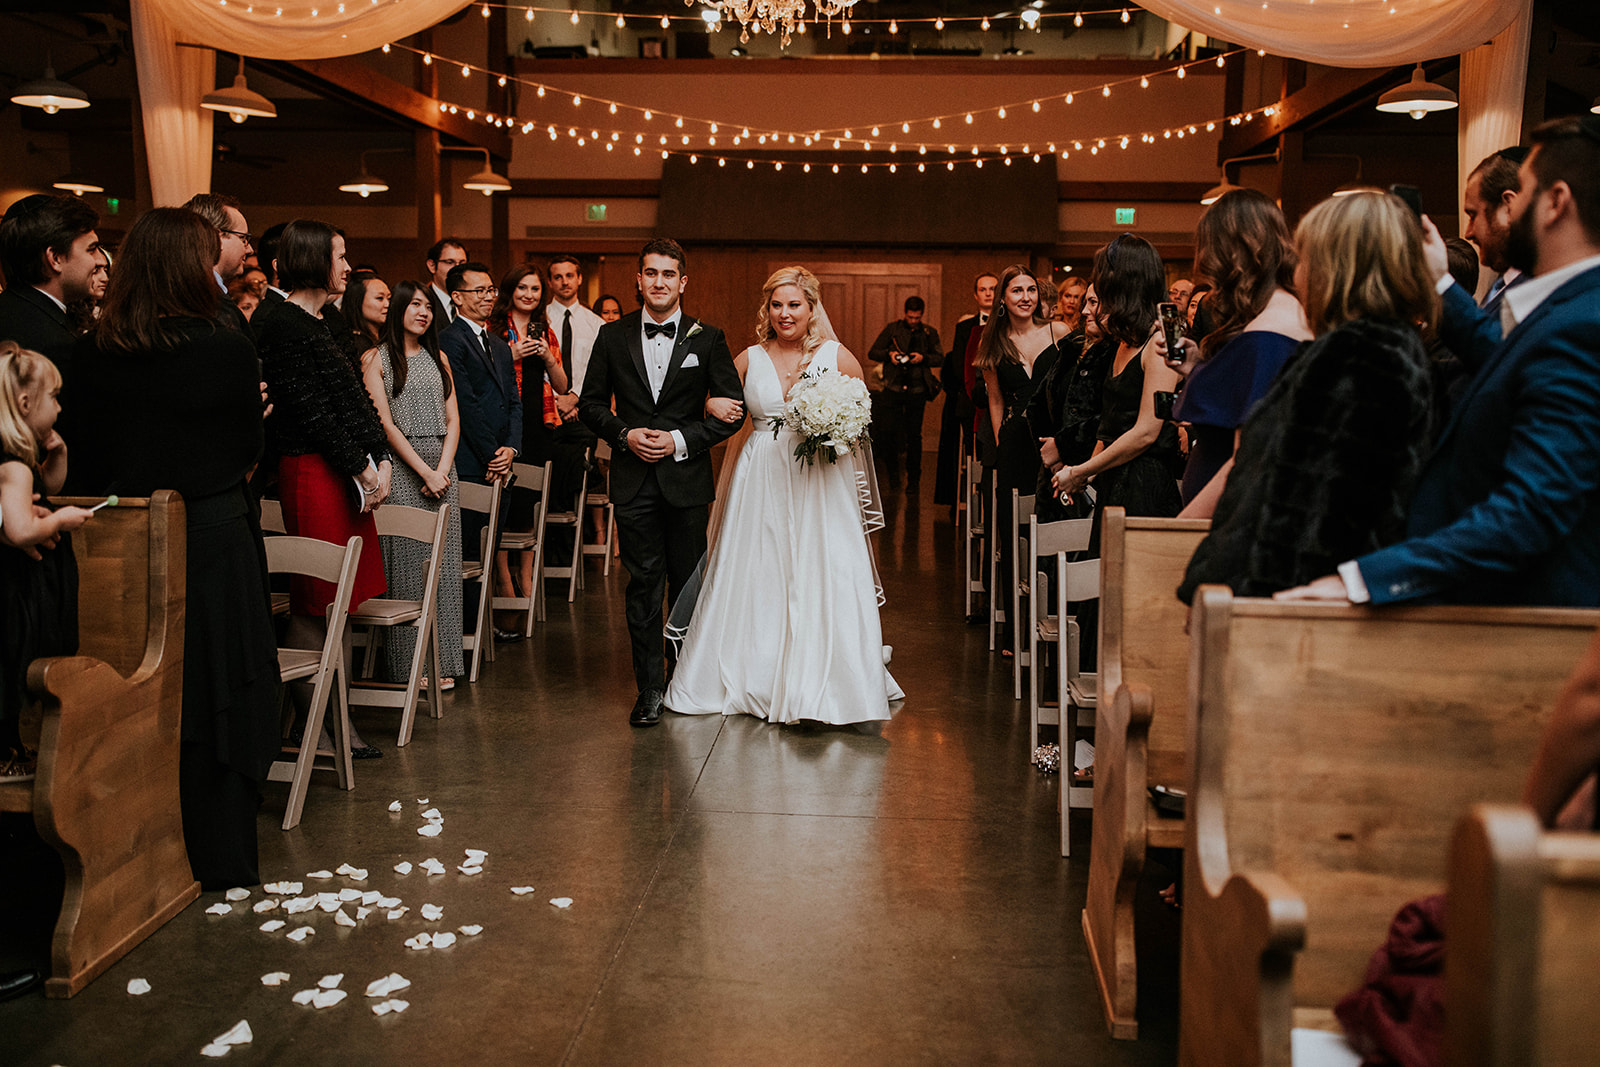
(171, 399)
(1064, 415)
(1015, 353)
(1136, 455)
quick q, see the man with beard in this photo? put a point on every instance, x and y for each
(1486, 201)
(1507, 511)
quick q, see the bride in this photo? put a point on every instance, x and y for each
(786, 624)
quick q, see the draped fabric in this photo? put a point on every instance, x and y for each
(1350, 33)
(172, 79)
(1493, 78)
(177, 130)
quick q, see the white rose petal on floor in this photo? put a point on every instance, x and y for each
(393, 983)
(138, 987)
(444, 940)
(300, 934)
(432, 829)
(470, 869)
(432, 865)
(395, 806)
(522, 890)
(562, 902)
(330, 981)
(319, 874)
(219, 909)
(304, 996)
(327, 998)
(395, 913)
(239, 1035)
(432, 912)
(403, 867)
(341, 918)
(419, 941)
(362, 913)
(284, 889)
(472, 930)
(476, 856)
(263, 906)
(237, 893)
(272, 926)
(276, 978)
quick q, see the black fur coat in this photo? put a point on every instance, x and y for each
(1326, 463)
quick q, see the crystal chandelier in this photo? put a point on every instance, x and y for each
(783, 17)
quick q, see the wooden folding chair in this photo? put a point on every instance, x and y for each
(1077, 692)
(272, 523)
(573, 571)
(377, 614)
(324, 668)
(601, 498)
(1046, 542)
(1021, 586)
(538, 479)
(484, 499)
(973, 534)
(997, 528)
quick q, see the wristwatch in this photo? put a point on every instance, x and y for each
(622, 439)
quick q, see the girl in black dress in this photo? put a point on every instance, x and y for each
(1015, 354)
(172, 400)
(38, 572)
(1135, 458)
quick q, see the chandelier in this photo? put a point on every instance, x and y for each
(783, 17)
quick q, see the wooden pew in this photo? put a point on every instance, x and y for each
(1139, 735)
(1333, 749)
(1524, 943)
(106, 794)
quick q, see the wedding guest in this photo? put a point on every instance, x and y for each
(171, 399)
(518, 318)
(38, 572)
(255, 280)
(84, 312)
(1015, 352)
(1133, 463)
(323, 427)
(1328, 460)
(1255, 325)
(445, 255)
(47, 251)
(1069, 303)
(608, 307)
(244, 298)
(1181, 291)
(1049, 294)
(1507, 510)
(365, 309)
(225, 214)
(267, 261)
(908, 348)
(1486, 201)
(410, 385)
(955, 419)
(1064, 414)
(1192, 312)
(575, 328)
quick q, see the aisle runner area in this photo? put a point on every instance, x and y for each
(707, 891)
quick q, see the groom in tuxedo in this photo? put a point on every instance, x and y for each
(658, 367)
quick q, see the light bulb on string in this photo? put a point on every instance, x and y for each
(1077, 20)
(502, 81)
(485, 10)
(427, 60)
(466, 71)
(666, 23)
(1144, 83)
(1183, 72)
(1002, 111)
(528, 14)
(622, 23)
(1125, 16)
(894, 27)
(386, 49)
(938, 24)
(574, 19)
(984, 25)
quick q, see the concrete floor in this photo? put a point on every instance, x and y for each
(742, 894)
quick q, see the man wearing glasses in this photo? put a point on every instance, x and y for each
(226, 214)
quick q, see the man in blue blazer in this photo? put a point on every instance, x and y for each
(1508, 509)
(485, 379)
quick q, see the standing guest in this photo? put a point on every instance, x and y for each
(1490, 191)
(445, 256)
(171, 400)
(324, 428)
(1069, 303)
(909, 349)
(1181, 291)
(38, 572)
(244, 298)
(1507, 510)
(365, 309)
(1064, 414)
(608, 307)
(484, 374)
(1193, 311)
(410, 385)
(1015, 352)
(255, 280)
(226, 216)
(84, 312)
(955, 419)
(1256, 324)
(575, 329)
(47, 250)
(518, 318)
(1049, 295)
(1133, 463)
(267, 258)
(1328, 460)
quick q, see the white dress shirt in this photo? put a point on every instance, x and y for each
(657, 357)
(585, 325)
(53, 298)
(449, 305)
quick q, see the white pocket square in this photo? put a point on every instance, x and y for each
(692, 361)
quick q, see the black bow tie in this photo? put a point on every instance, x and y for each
(653, 328)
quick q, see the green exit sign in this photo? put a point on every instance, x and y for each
(594, 213)
(1127, 216)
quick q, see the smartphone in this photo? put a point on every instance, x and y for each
(1411, 195)
(1172, 325)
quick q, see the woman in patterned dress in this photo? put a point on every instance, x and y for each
(415, 397)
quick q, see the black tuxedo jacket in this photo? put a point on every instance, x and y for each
(701, 366)
(486, 394)
(32, 320)
(443, 314)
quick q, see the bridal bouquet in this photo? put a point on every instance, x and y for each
(830, 412)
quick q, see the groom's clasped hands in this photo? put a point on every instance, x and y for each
(652, 446)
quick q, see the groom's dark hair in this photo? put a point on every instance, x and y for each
(666, 246)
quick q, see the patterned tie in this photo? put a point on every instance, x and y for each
(566, 345)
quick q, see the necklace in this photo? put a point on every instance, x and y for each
(789, 377)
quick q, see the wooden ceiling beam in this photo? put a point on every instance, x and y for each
(1332, 94)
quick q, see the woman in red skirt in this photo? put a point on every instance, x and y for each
(334, 459)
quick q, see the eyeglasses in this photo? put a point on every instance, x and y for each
(245, 237)
(474, 292)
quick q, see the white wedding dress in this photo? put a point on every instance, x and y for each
(786, 624)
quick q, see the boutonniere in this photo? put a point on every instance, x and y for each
(693, 329)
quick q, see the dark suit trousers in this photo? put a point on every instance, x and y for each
(661, 545)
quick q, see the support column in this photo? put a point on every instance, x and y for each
(430, 204)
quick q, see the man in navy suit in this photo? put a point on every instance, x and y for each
(1508, 509)
(486, 396)
(656, 368)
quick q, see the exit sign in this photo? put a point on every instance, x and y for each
(1127, 216)
(594, 213)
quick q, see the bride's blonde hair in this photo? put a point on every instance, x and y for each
(807, 283)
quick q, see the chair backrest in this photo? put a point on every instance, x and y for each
(532, 477)
(1524, 943)
(418, 524)
(1335, 747)
(310, 558)
(272, 516)
(484, 499)
(1063, 535)
(1141, 625)
(602, 450)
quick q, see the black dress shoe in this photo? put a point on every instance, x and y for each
(646, 709)
(17, 983)
(502, 637)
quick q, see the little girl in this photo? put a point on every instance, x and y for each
(38, 573)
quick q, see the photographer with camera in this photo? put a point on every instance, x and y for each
(908, 348)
